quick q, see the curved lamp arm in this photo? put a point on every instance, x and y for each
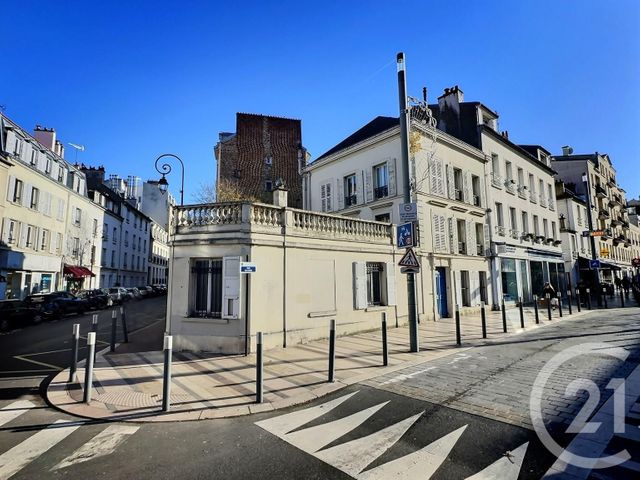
(165, 169)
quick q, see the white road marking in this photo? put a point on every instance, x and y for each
(507, 468)
(14, 460)
(406, 376)
(14, 410)
(353, 457)
(313, 439)
(420, 464)
(101, 445)
(283, 424)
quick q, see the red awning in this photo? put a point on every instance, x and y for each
(78, 271)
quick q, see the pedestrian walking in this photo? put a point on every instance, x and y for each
(626, 284)
(548, 289)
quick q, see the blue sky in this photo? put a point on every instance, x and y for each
(132, 80)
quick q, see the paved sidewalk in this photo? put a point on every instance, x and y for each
(128, 386)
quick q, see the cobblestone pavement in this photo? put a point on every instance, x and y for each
(495, 380)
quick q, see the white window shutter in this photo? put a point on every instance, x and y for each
(471, 237)
(340, 193)
(368, 185)
(444, 243)
(231, 287)
(360, 188)
(23, 235)
(451, 191)
(483, 199)
(393, 178)
(453, 234)
(329, 194)
(360, 285)
(474, 286)
(466, 187)
(433, 178)
(35, 240)
(11, 187)
(26, 194)
(323, 197)
(390, 268)
(5, 230)
(487, 241)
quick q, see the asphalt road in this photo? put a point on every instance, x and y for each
(31, 354)
(419, 422)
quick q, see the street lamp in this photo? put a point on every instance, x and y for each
(165, 169)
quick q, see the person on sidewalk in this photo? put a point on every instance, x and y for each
(548, 289)
(626, 284)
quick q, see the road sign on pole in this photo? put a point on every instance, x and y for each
(409, 259)
(405, 235)
(408, 212)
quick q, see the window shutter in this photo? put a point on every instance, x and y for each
(471, 237)
(360, 188)
(231, 287)
(390, 268)
(53, 238)
(368, 185)
(323, 197)
(483, 199)
(60, 209)
(23, 234)
(487, 241)
(451, 191)
(433, 177)
(26, 194)
(391, 168)
(442, 229)
(11, 187)
(5, 230)
(466, 186)
(340, 193)
(453, 235)
(329, 197)
(360, 285)
(35, 240)
(474, 286)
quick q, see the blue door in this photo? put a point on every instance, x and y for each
(441, 291)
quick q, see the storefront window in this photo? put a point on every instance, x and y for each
(509, 280)
(524, 281)
(537, 278)
(45, 283)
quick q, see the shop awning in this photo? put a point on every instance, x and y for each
(78, 271)
(583, 262)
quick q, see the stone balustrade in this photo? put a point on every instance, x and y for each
(201, 218)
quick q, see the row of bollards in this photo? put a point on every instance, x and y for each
(91, 348)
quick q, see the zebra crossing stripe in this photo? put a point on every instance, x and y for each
(506, 468)
(420, 464)
(14, 410)
(14, 460)
(313, 439)
(99, 446)
(284, 424)
(352, 457)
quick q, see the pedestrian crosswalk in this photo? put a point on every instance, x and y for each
(354, 456)
(14, 417)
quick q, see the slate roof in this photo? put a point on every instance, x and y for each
(374, 127)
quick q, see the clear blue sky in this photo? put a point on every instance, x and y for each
(132, 80)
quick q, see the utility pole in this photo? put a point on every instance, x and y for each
(404, 152)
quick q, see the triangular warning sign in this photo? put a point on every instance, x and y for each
(409, 259)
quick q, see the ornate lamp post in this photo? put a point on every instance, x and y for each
(165, 169)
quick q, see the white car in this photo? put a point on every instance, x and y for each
(119, 294)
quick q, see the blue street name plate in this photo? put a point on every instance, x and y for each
(247, 267)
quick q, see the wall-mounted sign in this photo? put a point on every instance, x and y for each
(408, 212)
(405, 235)
(248, 267)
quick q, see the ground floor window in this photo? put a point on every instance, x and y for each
(374, 291)
(483, 286)
(537, 278)
(464, 286)
(207, 288)
(509, 279)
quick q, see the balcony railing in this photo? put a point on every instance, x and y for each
(514, 234)
(603, 213)
(496, 180)
(522, 191)
(462, 248)
(476, 200)
(510, 185)
(480, 249)
(552, 205)
(533, 196)
(500, 230)
(600, 192)
(542, 199)
(458, 194)
(350, 200)
(381, 192)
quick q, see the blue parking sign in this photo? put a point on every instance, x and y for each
(405, 235)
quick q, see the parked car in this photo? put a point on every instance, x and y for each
(145, 291)
(135, 293)
(97, 298)
(15, 313)
(119, 295)
(56, 304)
(159, 289)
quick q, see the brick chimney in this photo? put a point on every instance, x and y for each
(451, 98)
(46, 136)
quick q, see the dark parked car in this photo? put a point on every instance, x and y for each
(97, 298)
(15, 313)
(56, 304)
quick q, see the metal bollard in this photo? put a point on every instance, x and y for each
(483, 319)
(94, 323)
(259, 368)
(569, 302)
(622, 298)
(75, 336)
(535, 309)
(125, 331)
(589, 298)
(332, 350)
(604, 298)
(559, 296)
(114, 319)
(166, 378)
(520, 306)
(458, 336)
(504, 317)
(385, 346)
(88, 371)
(578, 300)
(548, 297)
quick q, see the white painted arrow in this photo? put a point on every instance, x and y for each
(507, 468)
(420, 464)
(352, 457)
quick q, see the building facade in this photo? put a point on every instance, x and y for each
(573, 222)
(158, 255)
(264, 152)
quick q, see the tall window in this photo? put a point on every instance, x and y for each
(553, 230)
(513, 219)
(545, 227)
(35, 195)
(536, 225)
(495, 164)
(508, 168)
(475, 188)
(520, 178)
(34, 157)
(374, 277)
(77, 216)
(499, 215)
(44, 241)
(30, 237)
(457, 183)
(17, 191)
(76, 247)
(326, 197)
(532, 184)
(525, 222)
(380, 181)
(207, 281)
(350, 194)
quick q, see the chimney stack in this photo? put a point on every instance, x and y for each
(567, 150)
(46, 136)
